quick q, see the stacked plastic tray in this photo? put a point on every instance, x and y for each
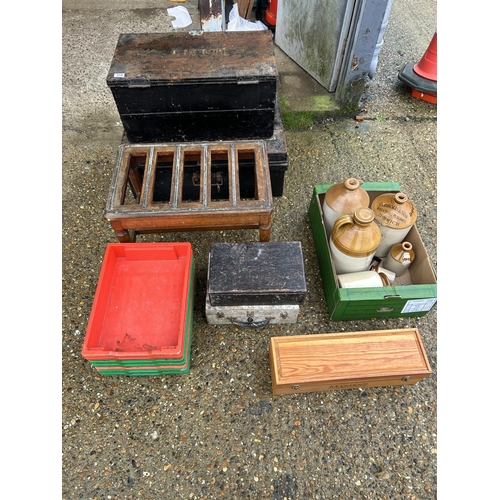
(142, 315)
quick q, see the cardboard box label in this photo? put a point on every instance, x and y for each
(418, 305)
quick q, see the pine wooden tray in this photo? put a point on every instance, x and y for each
(334, 361)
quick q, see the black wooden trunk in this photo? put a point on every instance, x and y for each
(195, 86)
(256, 273)
(277, 157)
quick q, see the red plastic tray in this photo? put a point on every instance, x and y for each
(140, 304)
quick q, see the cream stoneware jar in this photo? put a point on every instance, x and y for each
(363, 279)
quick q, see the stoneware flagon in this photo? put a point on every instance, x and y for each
(354, 241)
(395, 215)
(343, 199)
(399, 258)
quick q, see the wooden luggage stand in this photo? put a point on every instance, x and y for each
(219, 202)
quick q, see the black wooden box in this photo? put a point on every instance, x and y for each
(277, 155)
(195, 86)
(256, 273)
(277, 158)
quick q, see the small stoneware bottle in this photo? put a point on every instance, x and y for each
(354, 241)
(399, 258)
(343, 199)
(395, 214)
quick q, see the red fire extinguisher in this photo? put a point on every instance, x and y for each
(272, 9)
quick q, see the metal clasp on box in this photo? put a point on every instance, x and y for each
(139, 82)
(216, 177)
(250, 322)
(247, 82)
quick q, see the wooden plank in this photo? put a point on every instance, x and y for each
(245, 8)
(211, 17)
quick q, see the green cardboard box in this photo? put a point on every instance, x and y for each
(413, 294)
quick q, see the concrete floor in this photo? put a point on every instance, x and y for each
(217, 432)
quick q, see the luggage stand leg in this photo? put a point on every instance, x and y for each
(265, 229)
(122, 234)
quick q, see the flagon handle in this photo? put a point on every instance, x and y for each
(341, 221)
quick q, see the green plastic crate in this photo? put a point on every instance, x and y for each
(156, 367)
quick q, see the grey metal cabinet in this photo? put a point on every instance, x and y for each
(335, 41)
